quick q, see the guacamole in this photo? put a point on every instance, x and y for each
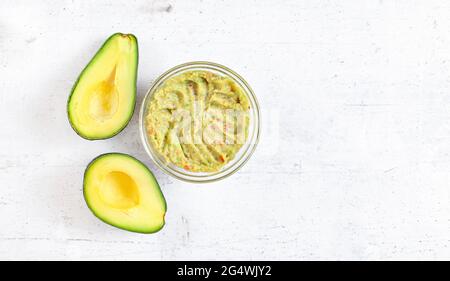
(198, 120)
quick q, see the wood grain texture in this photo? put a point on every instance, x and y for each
(354, 159)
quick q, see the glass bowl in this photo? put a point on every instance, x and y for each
(243, 154)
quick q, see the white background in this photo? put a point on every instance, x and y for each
(354, 158)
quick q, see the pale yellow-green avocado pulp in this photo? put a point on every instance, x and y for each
(103, 98)
(198, 120)
(121, 191)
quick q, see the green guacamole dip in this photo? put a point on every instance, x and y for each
(198, 120)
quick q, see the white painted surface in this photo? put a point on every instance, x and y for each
(359, 168)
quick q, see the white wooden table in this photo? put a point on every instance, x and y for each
(354, 160)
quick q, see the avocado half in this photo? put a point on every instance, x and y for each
(121, 191)
(103, 98)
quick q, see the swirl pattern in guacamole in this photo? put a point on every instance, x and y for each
(198, 120)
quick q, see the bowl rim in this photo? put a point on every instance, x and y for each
(254, 139)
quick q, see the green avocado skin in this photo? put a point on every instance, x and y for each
(86, 199)
(91, 62)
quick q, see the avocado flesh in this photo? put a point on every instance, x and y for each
(103, 99)
(121, 191)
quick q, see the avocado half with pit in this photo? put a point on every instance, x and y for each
(121, 191)
(103, 98)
